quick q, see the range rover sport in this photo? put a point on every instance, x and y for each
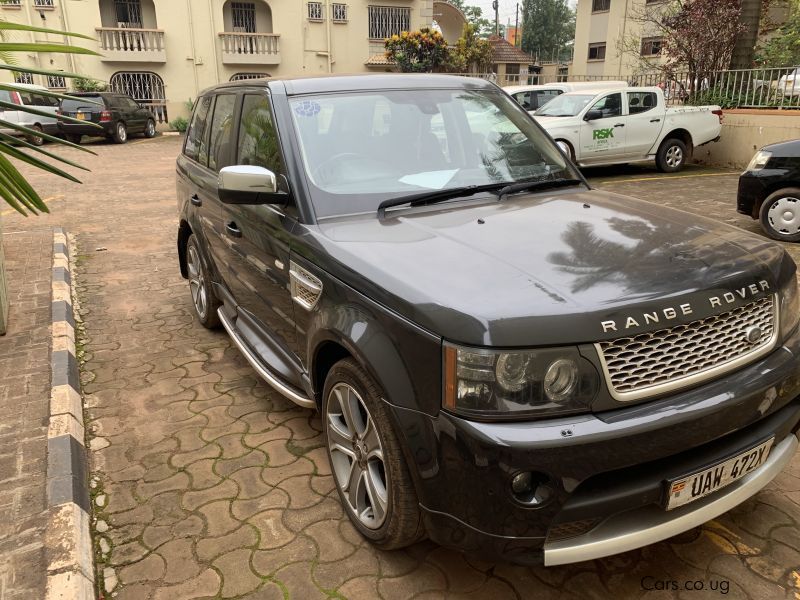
(505, 360)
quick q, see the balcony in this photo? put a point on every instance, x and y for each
(250, 48)
(132, 45)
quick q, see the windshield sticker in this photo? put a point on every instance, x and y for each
(307, 108)
(434, 180)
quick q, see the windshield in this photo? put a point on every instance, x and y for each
(361, 148)
(566, 105)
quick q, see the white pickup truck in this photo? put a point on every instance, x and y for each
(630, 125)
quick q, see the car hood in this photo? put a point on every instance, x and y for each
(548, 268)
(549, 123)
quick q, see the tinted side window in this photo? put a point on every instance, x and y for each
(639, 102)
(221, 130)
(130, 103)
(195, 137)
(258, 139)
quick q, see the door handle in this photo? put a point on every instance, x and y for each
(195, 200)
(655, 120)
(233, 230)
(620, 125)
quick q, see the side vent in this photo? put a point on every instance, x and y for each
(306, 288)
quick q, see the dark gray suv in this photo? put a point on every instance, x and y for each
(505, 360)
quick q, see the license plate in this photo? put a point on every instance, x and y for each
(695, 486)
(81, 116)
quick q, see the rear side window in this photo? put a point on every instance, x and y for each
(639, 102)
(196, 147)
(258, 139)
(85, 103)
(221, 132)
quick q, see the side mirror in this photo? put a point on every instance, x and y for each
(249, 184)
(593, 115)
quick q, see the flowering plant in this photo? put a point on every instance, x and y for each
(417, 51)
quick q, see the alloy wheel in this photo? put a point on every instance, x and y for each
(784, 215)
(197, 283)
(151, 129)
(357, 456)
(122, 132)
(674, 157)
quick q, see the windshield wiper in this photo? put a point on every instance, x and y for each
(539, 184)
(433, 196)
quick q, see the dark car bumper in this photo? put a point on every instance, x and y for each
(605, 474)
(93, 130)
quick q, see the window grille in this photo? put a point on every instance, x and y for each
(339, 12)
(23, 78)
(44, 3)
(314, 11)
(12, 3)
(244, 17)
(601, 5)
(386, 21)
(129, 14)
(56, 82)
(249, 76)
(146, 88)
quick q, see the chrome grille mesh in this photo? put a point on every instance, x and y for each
(645, 364)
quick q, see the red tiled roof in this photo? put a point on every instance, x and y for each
(504, 52)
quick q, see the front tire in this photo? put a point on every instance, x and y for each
(780, 215)
(204, 300)
(120, 133)
(671, 156)
(150, 129)
(368, 466)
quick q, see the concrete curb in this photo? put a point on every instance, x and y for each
(68, 543)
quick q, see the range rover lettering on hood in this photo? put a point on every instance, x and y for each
(685, 309)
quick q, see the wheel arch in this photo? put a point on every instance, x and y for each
(184, 232)
(682, 135)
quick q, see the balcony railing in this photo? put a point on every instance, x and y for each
(250, 48)
(132, 45)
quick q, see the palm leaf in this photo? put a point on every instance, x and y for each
(35, 71)
(6, 26)
(36, 162)
(14, 184)
(33, 133)
(43, 47)
(42, 92)
(41, 113)
(11, 140)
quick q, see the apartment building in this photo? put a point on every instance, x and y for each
(610, 40)
(163, 52)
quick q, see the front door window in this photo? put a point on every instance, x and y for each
(129, 14)
(244, 17)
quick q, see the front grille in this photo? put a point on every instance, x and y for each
(563, 531)
(664, 360)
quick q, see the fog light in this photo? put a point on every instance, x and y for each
(521, 484)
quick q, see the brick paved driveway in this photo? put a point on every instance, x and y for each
(208, 484)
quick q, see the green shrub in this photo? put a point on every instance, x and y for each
(181, 124)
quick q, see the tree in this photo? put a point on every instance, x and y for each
(697, 36)
(470, 53)
(483, 27)
(783, 48)
(417, 51)
(548, 29)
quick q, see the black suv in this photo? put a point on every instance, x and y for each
(117, 115)
(505, 360)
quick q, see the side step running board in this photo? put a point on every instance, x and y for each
(273, 381)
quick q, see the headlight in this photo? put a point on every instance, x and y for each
(790, 308)
(496, 384)
(759, 161)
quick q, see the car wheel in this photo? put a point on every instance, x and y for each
(203, 299)
(150, 129)
(36, 140)
(671, 156)
(566, 148)
(73, 138)
(120, 133)
(368, 466)
(780, 215)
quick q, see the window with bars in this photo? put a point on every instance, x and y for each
(249, 76)
(11, 3)
(386, 21)
(129, 14)
(651, 46)
(56, 82)
(44, 3)
(339, 13)
(23, 78)
(146, 88)
(314, 11)
(601, 5)
(597, 51)
(244, 17)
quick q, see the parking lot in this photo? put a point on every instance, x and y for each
(209, 484)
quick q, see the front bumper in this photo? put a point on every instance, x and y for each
(605, 472)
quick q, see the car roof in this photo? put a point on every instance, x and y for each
(29, 86)
(595, 92)
(321, 84)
